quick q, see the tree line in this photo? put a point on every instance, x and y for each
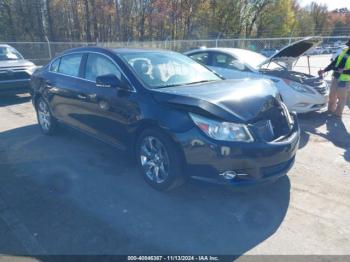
(142, 20)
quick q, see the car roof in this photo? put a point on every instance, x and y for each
(5, 45)
(231, 51)
(138, 50)
(114, 50)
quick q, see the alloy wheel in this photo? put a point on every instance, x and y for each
(154, 159)
(44, 116)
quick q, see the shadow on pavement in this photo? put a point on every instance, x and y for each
(7, 100)
(337, 132)
(309, 122)
(75, 195)
(347, 154)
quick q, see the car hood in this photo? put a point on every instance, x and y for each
(293, 51)
(238, 101)
(15, 63)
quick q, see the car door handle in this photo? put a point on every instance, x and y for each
(82, 97)
(49, 84)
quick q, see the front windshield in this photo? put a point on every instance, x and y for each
(165, 69)
(254, 60)
(8, 53)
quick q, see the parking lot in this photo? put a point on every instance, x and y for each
(69, 194)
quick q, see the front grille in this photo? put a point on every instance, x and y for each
(274, 124)
(264, 129)
(321, 89)
(13, 75)
(318, 84)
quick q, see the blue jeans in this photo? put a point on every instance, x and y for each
(343, 84)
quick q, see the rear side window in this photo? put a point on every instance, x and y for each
(70, 64)
(99, 65)
(54, 65)
(202, 58)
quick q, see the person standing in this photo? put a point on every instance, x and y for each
(340, 83)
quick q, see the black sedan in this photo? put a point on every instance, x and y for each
(174, 115)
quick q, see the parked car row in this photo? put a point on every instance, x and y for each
(323, 50)
(337, 51)
(268, 52)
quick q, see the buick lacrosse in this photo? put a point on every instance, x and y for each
(178, 118)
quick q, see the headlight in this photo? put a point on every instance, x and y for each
(298, 87)
(222, 131)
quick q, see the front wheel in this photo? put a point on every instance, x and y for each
(159, 161)
(46, 121)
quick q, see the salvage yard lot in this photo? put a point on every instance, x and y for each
(69, 194)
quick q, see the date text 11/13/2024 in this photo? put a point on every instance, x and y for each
(173, 258)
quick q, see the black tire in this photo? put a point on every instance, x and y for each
(175, 176)
(51, 126)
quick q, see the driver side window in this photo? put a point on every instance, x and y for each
(228, 62)
(98, 65)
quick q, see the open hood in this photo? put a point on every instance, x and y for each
(293, 51)
(231, 100)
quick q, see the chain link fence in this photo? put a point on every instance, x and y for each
(42, 52)
(256, 44)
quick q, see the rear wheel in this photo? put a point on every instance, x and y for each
(158, 160)
(46, 121)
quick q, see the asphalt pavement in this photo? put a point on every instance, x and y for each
(70, 194)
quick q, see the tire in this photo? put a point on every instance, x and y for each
(158, 160)
(46, 121)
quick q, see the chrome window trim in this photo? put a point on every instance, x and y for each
(82, 55)
(132, 88)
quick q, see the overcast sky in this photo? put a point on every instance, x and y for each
(332, 4)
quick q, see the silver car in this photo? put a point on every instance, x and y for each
(15, 71)
(300, 92)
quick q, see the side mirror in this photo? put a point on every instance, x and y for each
(109, 81)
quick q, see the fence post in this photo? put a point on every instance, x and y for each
(166, 42)
(217, 39)
(127, 43)
(49, 46)
(291, 35)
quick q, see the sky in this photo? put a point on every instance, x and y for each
(332, 4)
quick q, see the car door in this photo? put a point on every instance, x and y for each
(63, 88)
(229, 67)
(105, 111)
